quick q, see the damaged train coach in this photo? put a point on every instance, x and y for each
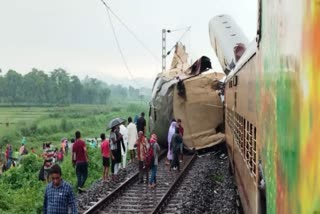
(272, 97)
(240, 118)
(190, 94)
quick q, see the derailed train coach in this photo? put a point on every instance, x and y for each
(190, 94)
(272, 97)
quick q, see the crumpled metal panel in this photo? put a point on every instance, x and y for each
(161, 108)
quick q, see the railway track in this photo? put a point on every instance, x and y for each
(132, 197)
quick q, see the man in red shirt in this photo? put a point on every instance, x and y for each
(80, 160)
(105, 151)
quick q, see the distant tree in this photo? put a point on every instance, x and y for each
(119, 91)
(2, 89)
(76, 89)
(35, 87)
(60, 81)
(104, 95)
(132, 92)
(12, 87)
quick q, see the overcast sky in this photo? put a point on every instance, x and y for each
(76, 34)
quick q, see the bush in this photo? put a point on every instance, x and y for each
(5, 139)
(63, 125)
(54, 128)
(134, 108)
(55, 115)
(29, 131)
(44, 130)
(115, 109)
(33, 128)
(25, 131)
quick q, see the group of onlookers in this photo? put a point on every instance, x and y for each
(114, 149)
(12, 158)
(114, 155)
(175, 144)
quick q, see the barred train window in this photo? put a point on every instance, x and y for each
(250, 148)
(245, 135)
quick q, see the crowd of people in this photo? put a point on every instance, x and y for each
(114, 155)
(123, 139)
(13, 158)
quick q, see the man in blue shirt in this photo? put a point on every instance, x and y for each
(58, 197)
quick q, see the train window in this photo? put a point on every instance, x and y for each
(247, 142)
(235, 99)
(255, 164)
(230, 84)
(239, 131)
(225, 22)
(245, 137)
(233, 34)
(155, 114)
(235, 81)
(228, 26)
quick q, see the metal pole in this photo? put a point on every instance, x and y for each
(164, 52)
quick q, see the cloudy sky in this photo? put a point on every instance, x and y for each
(76, 34)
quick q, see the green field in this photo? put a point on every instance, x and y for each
(42, 124)
(20, 189)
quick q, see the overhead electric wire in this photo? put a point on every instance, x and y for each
(131, 32)
(179, 29)
(187, 30)
(118, 44)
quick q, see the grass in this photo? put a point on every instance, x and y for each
(41, 124)
(217, 178)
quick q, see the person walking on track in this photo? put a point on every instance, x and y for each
(105, 151)
(80, 161)
(142, 148)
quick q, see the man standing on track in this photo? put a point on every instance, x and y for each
(141, 124)
(142, 148)
(132, 138)
(80, 161)
(176, 142)
(114, 148)
(105, 151)
(156, 151)
(124, 133)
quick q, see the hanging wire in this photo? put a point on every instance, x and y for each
(185, 32)
(118, 45)
(132, 33)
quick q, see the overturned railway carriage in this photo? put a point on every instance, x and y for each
(188, 93)
(272, 98)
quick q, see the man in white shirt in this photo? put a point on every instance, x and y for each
(132, 138)
(124, 133)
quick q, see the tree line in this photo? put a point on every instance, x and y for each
(59, 88)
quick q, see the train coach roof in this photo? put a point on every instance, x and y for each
(250, 51)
